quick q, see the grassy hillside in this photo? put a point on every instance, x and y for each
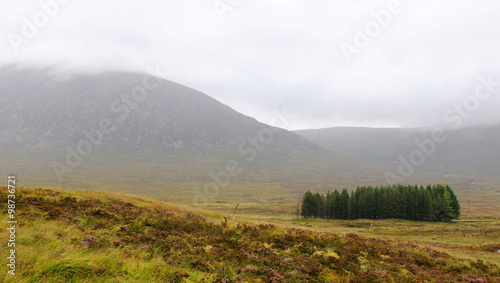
(101, 237)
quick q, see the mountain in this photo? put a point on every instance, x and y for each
(471, 153)
(138, 133)
(42, 108)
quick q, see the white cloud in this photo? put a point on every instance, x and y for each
(269, 54)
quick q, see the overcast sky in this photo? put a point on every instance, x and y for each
(309, 59)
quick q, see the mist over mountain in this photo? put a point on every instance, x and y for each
(132, 111)
(71, 129)
(471, 152)
(133, 131)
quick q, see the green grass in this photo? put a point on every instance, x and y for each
(101, 237)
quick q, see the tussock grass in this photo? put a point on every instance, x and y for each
(99, 237)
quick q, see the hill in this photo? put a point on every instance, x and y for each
(102, 237)
(141, 134)
(44, 108)
(470, 154)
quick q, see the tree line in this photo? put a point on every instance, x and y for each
(432, 203)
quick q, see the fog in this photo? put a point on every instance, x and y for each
(324, 63)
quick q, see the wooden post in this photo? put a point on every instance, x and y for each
(234, 212)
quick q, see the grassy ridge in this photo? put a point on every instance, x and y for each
(99, 237)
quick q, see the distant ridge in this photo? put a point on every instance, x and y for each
(472, 151)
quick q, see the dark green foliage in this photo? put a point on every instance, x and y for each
(309, 205)
(434, 203)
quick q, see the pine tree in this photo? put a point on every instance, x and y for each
(344, 204)
(455, 204)
(308, 205)
(429, 207)
(433, 203)
(360, 192)
(328, 204)
(319, 204)
(336, 205)
(389, 203)
(447, 213)
(353, 206)
(370, 203)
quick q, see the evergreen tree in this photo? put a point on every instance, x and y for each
(344, 204)
(361, 202)
(320, 205)
(389, 203)
(308, 205)
(353, 206)
(447, 213)
(370, 203)
(433, 203)
(455, 205)
(329, 204)
(336, 205)
(429, 207)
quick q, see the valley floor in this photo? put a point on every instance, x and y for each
(68, 236)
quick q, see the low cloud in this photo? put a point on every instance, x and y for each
(265, 55)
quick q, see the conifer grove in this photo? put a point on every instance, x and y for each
(432, 203)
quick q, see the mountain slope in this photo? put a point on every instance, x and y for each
(41, 107)
(140, 134)
(472, 152)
